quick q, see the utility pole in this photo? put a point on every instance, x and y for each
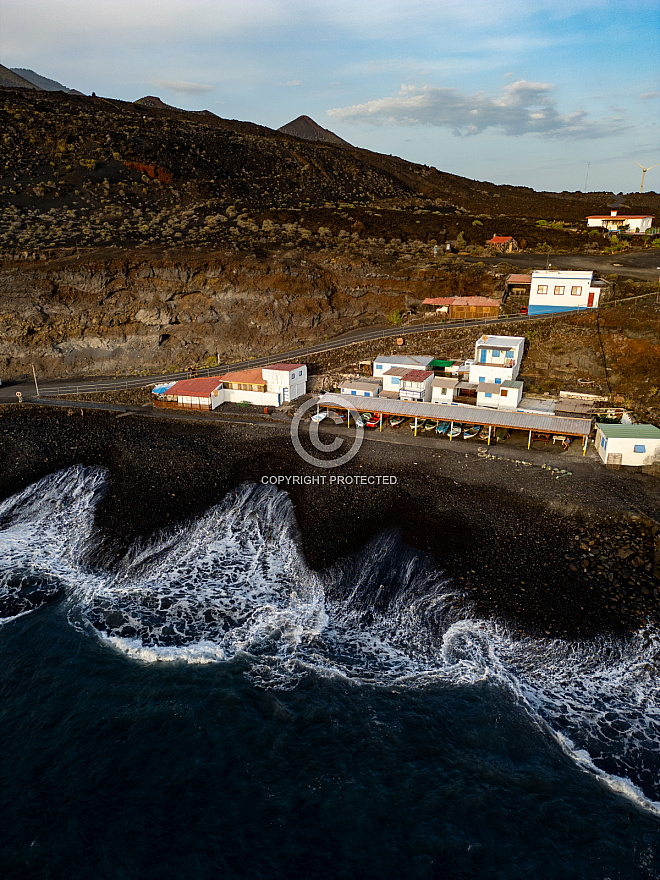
(34, 373)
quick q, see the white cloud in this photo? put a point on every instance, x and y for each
(645, 96)
(523, 108)
(182, 87)
(294, 82)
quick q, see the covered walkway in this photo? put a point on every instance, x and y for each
(549, 425)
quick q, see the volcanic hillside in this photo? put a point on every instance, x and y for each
(82, 171)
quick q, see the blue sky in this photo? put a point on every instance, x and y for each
(534, 92)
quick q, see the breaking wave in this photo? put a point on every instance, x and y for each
(233, 584)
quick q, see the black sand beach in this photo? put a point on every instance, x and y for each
(568, 557)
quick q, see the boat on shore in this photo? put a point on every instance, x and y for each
(442, 428)
(471, 431)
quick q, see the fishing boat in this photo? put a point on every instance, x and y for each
(471, 431)
(395, 421)
(454, 431)
(442, 428)
(501, 434)
(431, 425)
(419, 426)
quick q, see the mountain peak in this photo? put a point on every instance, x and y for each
(304, 127)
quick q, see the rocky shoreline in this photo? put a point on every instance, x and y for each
(571, 557)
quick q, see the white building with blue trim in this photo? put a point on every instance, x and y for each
(554, 290)
(497, 359)
(632, 445)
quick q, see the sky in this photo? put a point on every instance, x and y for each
(551, 94)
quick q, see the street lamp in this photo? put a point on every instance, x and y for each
(34, 373)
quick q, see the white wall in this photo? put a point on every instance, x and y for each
(392, 383)
(491, 373)
(635, 224)
(442, 395)
(625, 446)
(576, 289)
(359, 392)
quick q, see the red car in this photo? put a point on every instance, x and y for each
(373, 422)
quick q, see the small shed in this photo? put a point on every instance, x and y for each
(358, 388)
(631, 445)
(504, 243)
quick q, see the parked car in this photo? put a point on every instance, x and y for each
(373, 422)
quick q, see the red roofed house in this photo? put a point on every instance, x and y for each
(416, 385)
(504, 243)
(270, 386)
(637, 224)
(459, 307)
(191, 394)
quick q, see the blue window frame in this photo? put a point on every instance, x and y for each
(498, 381)
(509, 354)
(482, 359)
(640, 447)
(396, 380)
(603, 442)
(488, 394)
(353, 391)
(496, 352)
(482, 378)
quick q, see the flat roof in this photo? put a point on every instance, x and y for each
(285, 367)
(499, 341)
(519, 279)
(442, 382)
(471, 415)
(421, 359)
(360, 386)
(439, 362)
(634, 432)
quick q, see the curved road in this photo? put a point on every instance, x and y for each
(638, 264)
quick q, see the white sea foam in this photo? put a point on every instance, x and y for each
(234, 584)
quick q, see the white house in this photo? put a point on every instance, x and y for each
(361, 388)
(506, 395)
(442, 389)
(189, 393)
(628, 444)
(288, 380)
(553, 290)
(637, 224)
(497, 359)
(384, 362)
(416, 385)
(392, 380)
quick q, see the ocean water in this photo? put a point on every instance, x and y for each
(211, 708)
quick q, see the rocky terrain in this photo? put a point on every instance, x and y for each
(140, 237)
(84, 171)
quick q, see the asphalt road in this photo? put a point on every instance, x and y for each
(637, 265)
